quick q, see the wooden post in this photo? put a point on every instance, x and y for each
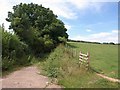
(79, 59)
(88, 55)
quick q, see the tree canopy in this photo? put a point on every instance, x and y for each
(37, 26)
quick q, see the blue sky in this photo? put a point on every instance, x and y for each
(89, 21)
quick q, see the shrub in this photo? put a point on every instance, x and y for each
(14, 52)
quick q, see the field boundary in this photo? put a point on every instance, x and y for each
(85, 59)
(108, 78)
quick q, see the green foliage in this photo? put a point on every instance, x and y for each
(14, 52)
(36, 32)
(62, 64)
(37, 26)
(59, 62)
(48, 43)
(7, 63)
(62, 39)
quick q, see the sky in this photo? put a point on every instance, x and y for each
(87, 20)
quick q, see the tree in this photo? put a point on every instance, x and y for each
(112, 43)
(32, 23)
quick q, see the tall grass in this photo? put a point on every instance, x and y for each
(62, 64)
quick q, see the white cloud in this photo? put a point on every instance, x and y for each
(79, 3)
(59, 7)
(5, 7)
(67, 26)
(99, 0)
(87, 4)
(88, 30)
(64, 9)
(99, 37)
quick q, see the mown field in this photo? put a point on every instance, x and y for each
(63, 64)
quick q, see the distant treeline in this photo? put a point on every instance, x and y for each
(111, 43)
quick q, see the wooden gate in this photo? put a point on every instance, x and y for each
(84, 59)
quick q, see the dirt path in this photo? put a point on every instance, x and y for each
(109, 78)
(27, 77)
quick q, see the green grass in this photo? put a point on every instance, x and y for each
(103, 58)
(62, 64)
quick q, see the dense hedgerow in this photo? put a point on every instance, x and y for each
(14, 52)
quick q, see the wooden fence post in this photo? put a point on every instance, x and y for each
(79, 59)
(88, 60)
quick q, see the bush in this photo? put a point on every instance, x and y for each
(14, 52)
(62, 39)
(7, 63)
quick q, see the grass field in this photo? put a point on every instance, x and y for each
(62, 64)
(103, 58)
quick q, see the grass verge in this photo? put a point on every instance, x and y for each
(62, 64)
